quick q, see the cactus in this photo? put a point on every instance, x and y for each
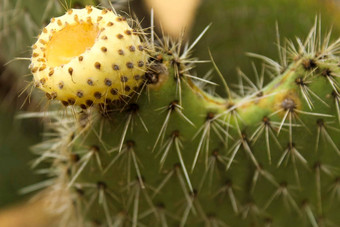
(240, 18)
(172, 154)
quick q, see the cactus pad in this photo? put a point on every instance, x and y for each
(177, 155)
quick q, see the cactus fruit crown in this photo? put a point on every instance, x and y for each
(69, 44)
(176, 155)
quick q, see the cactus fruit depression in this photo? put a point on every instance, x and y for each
(142, 142)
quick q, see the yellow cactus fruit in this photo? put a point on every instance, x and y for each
(88, 56)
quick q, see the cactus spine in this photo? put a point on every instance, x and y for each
(175, 155)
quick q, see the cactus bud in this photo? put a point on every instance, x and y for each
(88, 56)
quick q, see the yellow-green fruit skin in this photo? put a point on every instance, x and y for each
(109, 69)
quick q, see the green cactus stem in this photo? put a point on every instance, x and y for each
(173, 154)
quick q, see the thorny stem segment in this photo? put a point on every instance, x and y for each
(176, 138)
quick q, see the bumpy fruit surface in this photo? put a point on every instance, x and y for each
(88, 56)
